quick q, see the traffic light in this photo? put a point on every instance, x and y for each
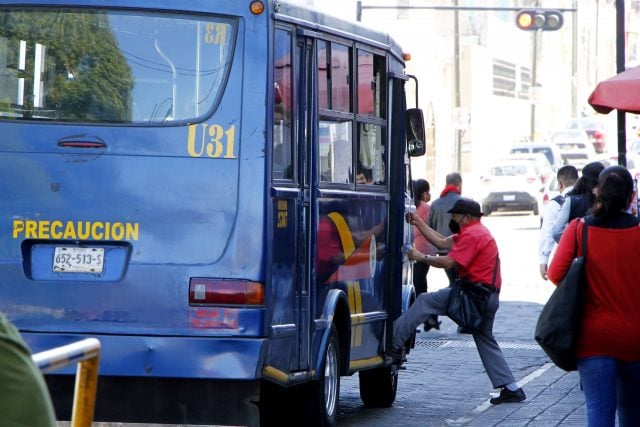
(539, 19)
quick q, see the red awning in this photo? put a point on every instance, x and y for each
(620, 92)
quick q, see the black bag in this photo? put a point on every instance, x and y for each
(467, 303)
(558, 326)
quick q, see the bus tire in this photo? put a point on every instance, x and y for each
(321, 398)
(378, 387)
(274, 401)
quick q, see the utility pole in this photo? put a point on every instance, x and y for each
(574, 62)
(620, 66)
(456, 79)
(534, 81)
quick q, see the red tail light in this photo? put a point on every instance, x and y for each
(598, 136)
(204, 291)
(545, 198)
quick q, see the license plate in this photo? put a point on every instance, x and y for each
(509, 197)
(78, 260)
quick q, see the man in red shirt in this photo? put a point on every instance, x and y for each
(473, 251)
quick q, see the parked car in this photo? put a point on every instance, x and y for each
(542, 163)
(634, 147)
(594, 128)
(550, 151)
(512, 185)
(633, 161)
(569, 135)
(576, 153)
(551, 190)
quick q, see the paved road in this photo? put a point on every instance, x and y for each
(444, 383)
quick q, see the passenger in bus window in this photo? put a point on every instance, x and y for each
(363, 175)
(24, 397)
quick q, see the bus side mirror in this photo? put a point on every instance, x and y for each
(415, 132)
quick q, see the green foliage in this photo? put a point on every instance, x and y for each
(86, 77)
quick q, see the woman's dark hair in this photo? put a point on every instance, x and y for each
(588, 181)
(615, 187)
(420, 187)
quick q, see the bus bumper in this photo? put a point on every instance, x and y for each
(166, 357)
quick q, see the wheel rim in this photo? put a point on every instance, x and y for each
(331, 380)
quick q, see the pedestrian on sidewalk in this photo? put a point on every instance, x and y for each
(608, 348)
(474, 253)
(440, 220)
(579, 201)
(439, 217)
(422, 196)
(567, 177)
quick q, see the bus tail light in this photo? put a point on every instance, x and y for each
(205, 291)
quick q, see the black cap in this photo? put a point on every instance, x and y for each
(466, 206)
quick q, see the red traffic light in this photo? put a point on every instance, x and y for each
(539, 19)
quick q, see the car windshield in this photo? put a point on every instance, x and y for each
(97, 66)
(572, 146)
(508, 170)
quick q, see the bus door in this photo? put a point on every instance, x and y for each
(306, 135)
(292, 199)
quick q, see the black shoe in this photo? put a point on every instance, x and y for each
(462, 330)
(508, 396)
(398, 355)
(432, 323)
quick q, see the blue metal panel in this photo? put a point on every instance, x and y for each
(177, 357)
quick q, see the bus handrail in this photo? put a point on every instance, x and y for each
(86, 354)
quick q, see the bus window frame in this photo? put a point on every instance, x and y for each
(293, 46)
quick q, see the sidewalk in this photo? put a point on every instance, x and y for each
(444, 383)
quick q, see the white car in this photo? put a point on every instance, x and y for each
(511, 185)
(542, 163)
(575, 147)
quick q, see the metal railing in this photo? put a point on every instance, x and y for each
(87, 354)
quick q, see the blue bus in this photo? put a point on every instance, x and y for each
(216, 190)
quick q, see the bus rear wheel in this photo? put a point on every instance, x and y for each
(320, 398)
(378, 387)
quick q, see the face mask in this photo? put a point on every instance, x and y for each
(454, 227)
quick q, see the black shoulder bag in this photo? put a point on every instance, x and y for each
(468, 301)
(558, 326)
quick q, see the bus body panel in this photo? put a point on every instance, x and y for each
(164, 202)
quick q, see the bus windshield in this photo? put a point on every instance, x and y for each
(107, 66)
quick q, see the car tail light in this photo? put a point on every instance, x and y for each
(531, 179)
(206, 291)
(545, 198)
(598, 136)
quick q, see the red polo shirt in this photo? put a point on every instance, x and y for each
(475, 251)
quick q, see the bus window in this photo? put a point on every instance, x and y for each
(323, 74)
(340, 78)
(371, 70)
(335, 152)
(371, 154)
(334, 87)
(282, 151)
(97, 66)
